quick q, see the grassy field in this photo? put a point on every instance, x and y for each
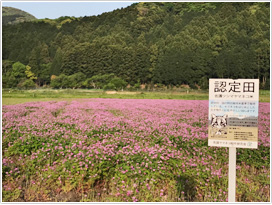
(83, 148)
(11, 96)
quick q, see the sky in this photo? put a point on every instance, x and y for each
(54, 10)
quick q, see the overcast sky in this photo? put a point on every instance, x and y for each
(54, 10)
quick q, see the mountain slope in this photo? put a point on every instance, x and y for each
(12, 15)
(167, 43)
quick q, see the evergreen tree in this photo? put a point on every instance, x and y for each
(57, 63)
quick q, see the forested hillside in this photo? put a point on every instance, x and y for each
(145, 43)
(12, 16)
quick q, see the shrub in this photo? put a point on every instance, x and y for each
(28, 84)
(109, 86)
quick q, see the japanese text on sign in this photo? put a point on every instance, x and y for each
(222, 86)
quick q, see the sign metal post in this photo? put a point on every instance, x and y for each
(232, 174)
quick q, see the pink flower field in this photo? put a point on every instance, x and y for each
(125, 150)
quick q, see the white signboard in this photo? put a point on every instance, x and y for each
(233, 113)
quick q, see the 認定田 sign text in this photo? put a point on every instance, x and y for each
(233, 113)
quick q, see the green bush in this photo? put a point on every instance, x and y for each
(109, 86)
(118, 83)
(137, 86)
(28, 84)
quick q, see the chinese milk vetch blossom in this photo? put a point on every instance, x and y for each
(135, 138)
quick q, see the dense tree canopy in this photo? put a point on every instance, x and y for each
(167, 43)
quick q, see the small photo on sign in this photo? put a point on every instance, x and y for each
(218, 126)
